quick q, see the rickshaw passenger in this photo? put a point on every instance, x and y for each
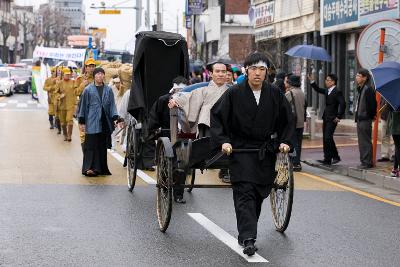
(249, 115)
(160, 118)
(198, 103)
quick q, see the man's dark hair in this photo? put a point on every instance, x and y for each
(364, 73)
(254, 58)
(229, 68)
(180, 79)
(333, 77)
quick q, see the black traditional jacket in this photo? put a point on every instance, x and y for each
(237, 119)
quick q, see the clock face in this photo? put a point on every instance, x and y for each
(369, 42)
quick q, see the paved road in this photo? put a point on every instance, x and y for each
(52, 216)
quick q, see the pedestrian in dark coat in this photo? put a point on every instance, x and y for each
(335, 107)
(365, 114)
(97, 118)
(251, 115)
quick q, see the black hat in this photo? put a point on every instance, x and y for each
(294, 80)
(97, 70)
(280, 75)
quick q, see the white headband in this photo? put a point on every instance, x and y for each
(259, 64)
(116, 80)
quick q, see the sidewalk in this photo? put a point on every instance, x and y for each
(346, 142)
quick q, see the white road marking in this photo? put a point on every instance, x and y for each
(145, 177)
(22, 105)
(223, 236)
(39, 105)
(32, 102)
(12, 101)
(2, 105)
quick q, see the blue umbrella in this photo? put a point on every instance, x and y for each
(309, 52)
(387, 82)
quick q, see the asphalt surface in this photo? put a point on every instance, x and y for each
(68, 221)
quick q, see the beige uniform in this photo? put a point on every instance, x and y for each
(67, 100)
(49, 87)
(80, 85)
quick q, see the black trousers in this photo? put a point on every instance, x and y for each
(396, 140)
(297, 142)
(330, 150)
(248, 198)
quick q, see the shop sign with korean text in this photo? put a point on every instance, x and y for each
(338, 15)
(265, 33)
(264, 14)
(374, 10)
(194, 7)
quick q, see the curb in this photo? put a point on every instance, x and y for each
(378, 179)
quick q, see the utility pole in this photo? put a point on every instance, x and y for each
(177, 21)
(148, 16)
(158, 16)
(138, 14)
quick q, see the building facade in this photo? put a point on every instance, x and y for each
(335, 25)
(7, 26)
(72, 10)
(221, 29)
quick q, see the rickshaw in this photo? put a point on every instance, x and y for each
(159, 58)
(178, 153)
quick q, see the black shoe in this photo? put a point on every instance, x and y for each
(364, 166)
(334, 161)
(383, 159)
(325, 162)
(249, 247)
(297, 167)
(150, 169)
(180, 200)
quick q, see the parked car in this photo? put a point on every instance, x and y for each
(22, 79)
(6, 82)
(28, 62)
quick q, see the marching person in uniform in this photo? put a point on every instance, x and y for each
(49, 87)
(97, 117)
(252, 114)
(56, 105)
(81, 83)
(67, 99)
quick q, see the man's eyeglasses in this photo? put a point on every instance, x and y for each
(328, 79)
(254, 68)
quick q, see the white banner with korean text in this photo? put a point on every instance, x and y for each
(60, 53)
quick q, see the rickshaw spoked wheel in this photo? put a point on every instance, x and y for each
(164, 188)
(193, 178)
(281, 196)
(132, 155)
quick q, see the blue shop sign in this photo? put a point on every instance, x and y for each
(339, 12)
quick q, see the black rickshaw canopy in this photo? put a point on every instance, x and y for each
(159, 58)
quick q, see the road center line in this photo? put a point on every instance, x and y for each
(356, 191)
(223, 236)
(147, 178)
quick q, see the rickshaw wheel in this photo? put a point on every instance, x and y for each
(281, 196)
(132, 155)
(193, 178)
(164, 189)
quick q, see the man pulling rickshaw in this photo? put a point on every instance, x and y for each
(250, 115)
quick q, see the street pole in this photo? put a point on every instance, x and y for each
(378, 100)
(177, 21)
(138, 14)
(158, 16)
